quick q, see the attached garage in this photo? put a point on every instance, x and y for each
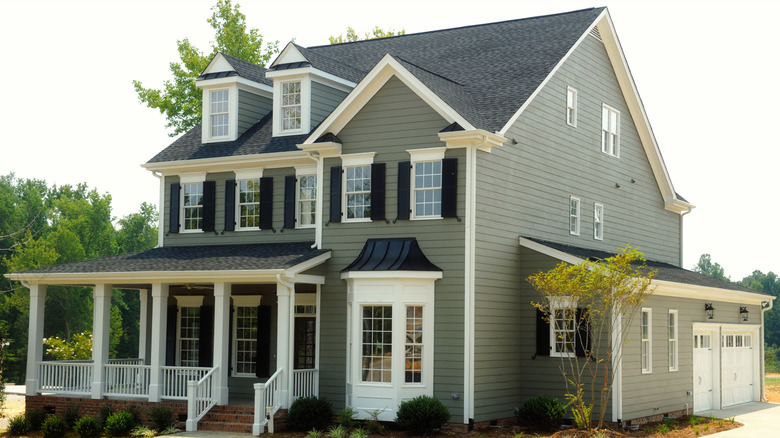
(726, 365)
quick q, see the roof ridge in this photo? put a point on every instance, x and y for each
(459, 27)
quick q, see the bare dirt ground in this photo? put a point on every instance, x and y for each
(773, 388)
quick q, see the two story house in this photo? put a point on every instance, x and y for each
(358, 221)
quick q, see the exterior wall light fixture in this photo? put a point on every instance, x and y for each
(709, 310)
(743, 312)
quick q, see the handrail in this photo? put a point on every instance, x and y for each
(266, 395)
(127, 380)
(65, 377)
(175, 380)
(200, 398)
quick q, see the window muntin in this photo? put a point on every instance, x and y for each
(291, 106)
(377, 344)
(248, 204)
(192, 206)
(571, 106)
(598, 221)
(646, 332)
(307, 200)
(219, 113)
(610, 131)
(189, 336)
(427, 189)
(673, 349)
(357, 192)
(414, 344)
(563, 328)
(574, 216)
(245, 340)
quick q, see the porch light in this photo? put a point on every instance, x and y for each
(709, 310)
(743, 312)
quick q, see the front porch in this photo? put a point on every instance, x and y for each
(207, 338)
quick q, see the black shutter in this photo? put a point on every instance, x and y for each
(209, 205)
(170, 337)
(449, 187)
(378, 191)
(335, 194)
(263, 341)
(173, 214)
(266, 202)
(230, 205)
(582, 343)
(289, 201)
(404, 180)
(542, 335)
(206, 339)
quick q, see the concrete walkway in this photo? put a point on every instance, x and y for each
(759, 419)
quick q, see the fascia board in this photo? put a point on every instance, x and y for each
(395, 275)
(705, 293)
(551, 252)
(243, 276)
(308, 264)
(386, 68)
(226, 164)
(243, 83)
(321, 76)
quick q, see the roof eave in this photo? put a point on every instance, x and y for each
(225, 164)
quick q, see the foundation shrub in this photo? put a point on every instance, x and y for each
(307, 413)
(544, 412)
(18, 425)
(87, 427)
(422, 415)
(53, 427)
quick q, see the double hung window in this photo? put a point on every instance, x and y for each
(610, 131)
(646, 337)
(192, 206)
(291, 106)
(219, 113)
(189, 336)
(673, 340)
(598, 221)
(427, 189)
(357, 192)
(249, 203)
(246, 340)
(574, 216)
(571, 106)
(563, 328)
(307, 200)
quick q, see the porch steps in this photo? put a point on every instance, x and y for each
(229, 418)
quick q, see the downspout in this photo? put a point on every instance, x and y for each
(681, 233)
(469, 285)
(160, 219)
(764, 308)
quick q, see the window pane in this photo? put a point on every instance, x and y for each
(377, 344)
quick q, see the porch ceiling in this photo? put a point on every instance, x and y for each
(229, 263)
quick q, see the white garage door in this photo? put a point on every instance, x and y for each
(702, 372)
(737, 368)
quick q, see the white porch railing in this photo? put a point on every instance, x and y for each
(65, 377)
(126, 361)
(175, 380)
(201, 397)
(266, 396)
(127, 379)
(305, 383)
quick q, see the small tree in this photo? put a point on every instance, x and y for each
(78, 348)
(608, 294)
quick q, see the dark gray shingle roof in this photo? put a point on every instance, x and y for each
(260, 256)
(398, 254)
(666, 271)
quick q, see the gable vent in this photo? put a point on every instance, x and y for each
(595, 33)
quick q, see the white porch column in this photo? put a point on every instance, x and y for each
(101, 321)
(284, 293)
(35, 337)
(144, 326)
(221, 340)
(159, 323)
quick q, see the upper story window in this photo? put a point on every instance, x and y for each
(357, 192)
(427, 189)
(192, 206)
(598, 221)
(219, 113)
(248, 203)
(307, 200)
(646, 333)
(291, 106)
(574, 216)
(610, 131)
(571, 106)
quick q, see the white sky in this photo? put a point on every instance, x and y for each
(706, 71)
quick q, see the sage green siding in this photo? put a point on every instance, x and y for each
(221, 237)
(523, 189)
(251, 108)
(324, 100)
(395, 120)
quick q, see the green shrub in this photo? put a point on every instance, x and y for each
(422, 415)
(103, 414)
(53, 427)
(19, 425)
(307, 413)
(142, 432)
(87, 427)
(544, 412)
(35, 417)
(135, 413)
(338, 432)
(161, 416)
(346, 418)
(119, 423)
(71, 414)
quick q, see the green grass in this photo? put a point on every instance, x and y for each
(773, 380)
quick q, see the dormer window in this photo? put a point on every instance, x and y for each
(291, 106)
(219, 113)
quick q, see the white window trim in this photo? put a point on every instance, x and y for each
(241, 301)
(616, 146)
(305, 81)
(182, 208)
(562, 303)
(598, 221)
(674, 350)
(301, 171)
(353, 160)
(573, 108)
(423, 156)
(646, 344)
(206, 136)
(576, 231)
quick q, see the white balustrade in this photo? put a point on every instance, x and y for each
(128, 380)
(65, 377)
(200, 398)
(175, 380)
(266, 395)
(305, 383)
